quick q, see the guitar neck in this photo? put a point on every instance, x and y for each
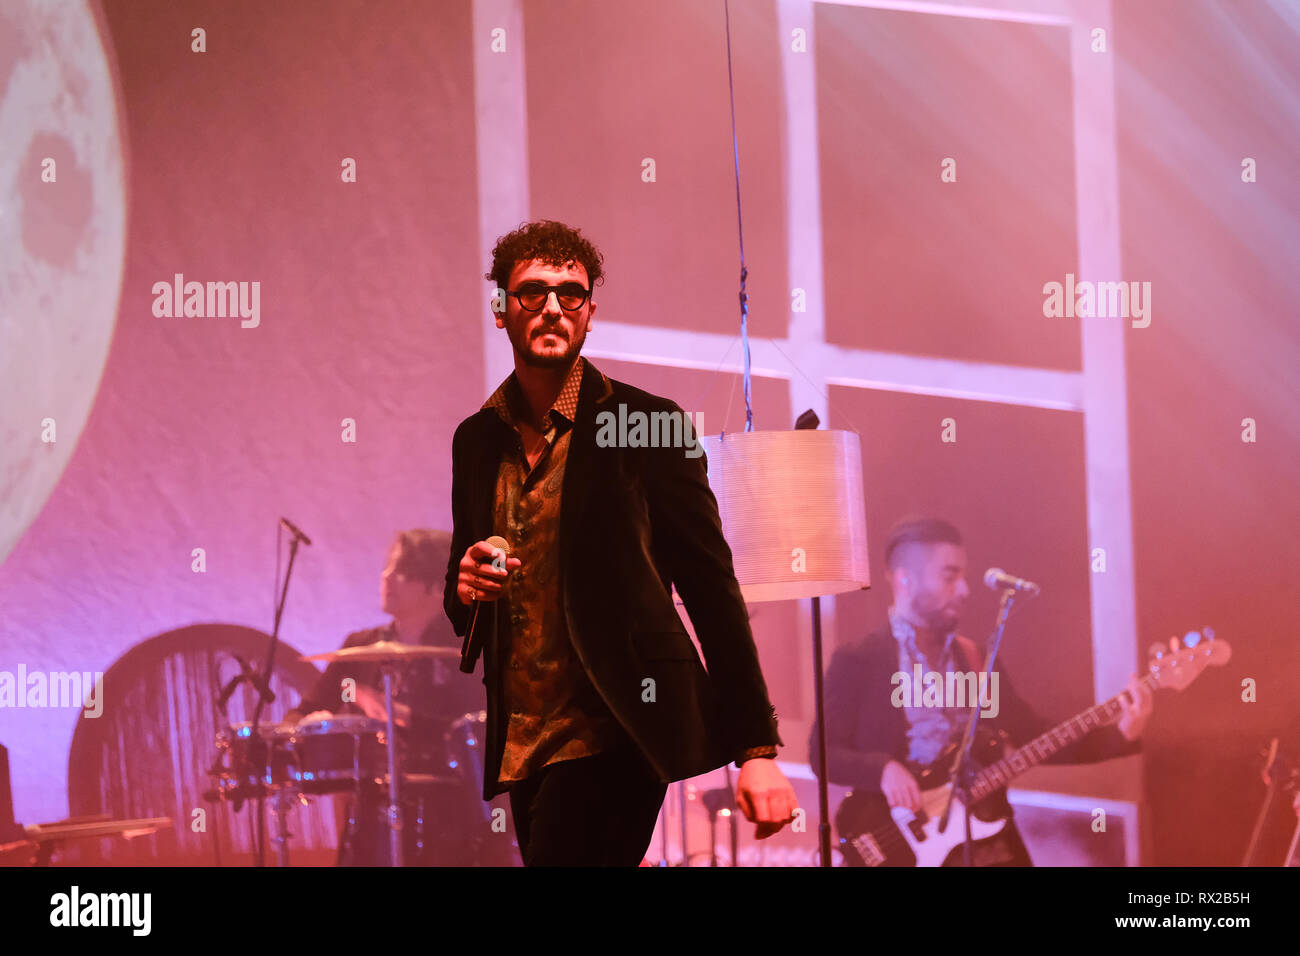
(998, 775)
(1293, 852)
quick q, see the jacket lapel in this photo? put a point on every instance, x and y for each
(580, 465)
(492, 436)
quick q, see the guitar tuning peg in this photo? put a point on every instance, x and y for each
(1156, 651)
(1191, 638)
(1173, 644)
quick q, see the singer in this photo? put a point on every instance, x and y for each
(596, 696)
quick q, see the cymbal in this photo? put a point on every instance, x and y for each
(387, 651)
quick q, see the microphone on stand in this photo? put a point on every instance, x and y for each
(997, 579)
(294, 530)
(473, 644)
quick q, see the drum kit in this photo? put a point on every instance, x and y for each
(351, 754)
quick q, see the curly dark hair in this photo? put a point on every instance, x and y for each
(552, 242)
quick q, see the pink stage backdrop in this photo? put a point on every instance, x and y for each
(334, 402)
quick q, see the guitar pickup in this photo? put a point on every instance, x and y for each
(869, 850)
(906, 818)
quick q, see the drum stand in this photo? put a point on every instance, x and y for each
(280, 802)
(394, 805)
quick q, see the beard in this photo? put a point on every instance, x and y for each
(552, 357)
(939, 617)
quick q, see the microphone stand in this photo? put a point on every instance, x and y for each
(1272, 766)
(265, 696)
(962, 771)
(247, 675)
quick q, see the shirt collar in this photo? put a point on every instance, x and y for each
(508, 397)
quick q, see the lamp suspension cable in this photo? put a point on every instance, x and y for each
(744, 273)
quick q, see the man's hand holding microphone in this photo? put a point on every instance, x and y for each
(484, 569)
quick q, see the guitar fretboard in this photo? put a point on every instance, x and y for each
(1000, 774)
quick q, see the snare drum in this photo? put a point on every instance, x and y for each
(252, 766)
(339, 753)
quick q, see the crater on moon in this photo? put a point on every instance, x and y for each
(61, 243)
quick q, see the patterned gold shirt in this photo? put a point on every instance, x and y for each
(554, 711)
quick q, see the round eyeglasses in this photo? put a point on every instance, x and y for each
(532, 296)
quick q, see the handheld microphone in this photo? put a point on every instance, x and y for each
(473, 644)
(997, 579)
(293, 529)
(499, 543)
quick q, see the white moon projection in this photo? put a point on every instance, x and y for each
(61, 243)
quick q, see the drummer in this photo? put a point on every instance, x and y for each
(427, 696)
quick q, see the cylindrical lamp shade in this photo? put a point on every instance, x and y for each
(792, 510)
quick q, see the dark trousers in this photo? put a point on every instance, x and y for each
(589, 811)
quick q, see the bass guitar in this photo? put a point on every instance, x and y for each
(873, 834)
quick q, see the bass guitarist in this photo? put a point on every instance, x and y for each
(871, 733)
